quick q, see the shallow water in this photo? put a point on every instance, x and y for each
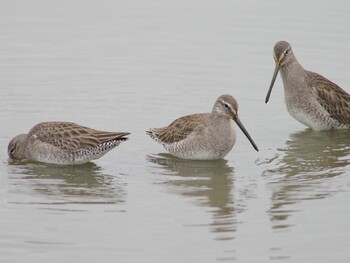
(129, 66)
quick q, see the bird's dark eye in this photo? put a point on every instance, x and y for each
(226, 106)
(12, 150)
(286, 52)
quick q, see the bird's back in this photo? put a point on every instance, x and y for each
(70, 143)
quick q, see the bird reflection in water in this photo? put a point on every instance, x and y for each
(210, 183)
(305, 169)
(72, 184)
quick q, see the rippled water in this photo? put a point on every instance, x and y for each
(132, 65)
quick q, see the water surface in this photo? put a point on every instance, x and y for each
(132, 65)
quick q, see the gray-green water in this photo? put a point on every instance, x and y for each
(132, 65)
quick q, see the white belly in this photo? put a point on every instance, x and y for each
(317, 119)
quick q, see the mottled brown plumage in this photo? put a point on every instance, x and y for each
(179, 129)
(334, 99)
(63, 143)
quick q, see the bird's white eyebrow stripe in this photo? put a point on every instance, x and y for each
(231, 107)
(224, 102)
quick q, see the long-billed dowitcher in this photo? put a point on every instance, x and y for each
(311, 99)
(203, 136)
(63, 143)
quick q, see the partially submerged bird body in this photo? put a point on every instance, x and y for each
(310, 98)
(317, 106)
(197, 137)
(63, 143)
(203, 136)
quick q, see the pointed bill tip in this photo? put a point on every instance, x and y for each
(240, 125)
(267, 99)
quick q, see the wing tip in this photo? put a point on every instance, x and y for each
(152, 133)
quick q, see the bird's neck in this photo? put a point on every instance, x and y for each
(294, 78)
(219, 120)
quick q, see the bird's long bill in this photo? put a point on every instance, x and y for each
(277, 68)
(240, 125)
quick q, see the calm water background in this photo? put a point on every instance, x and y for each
(132, 65)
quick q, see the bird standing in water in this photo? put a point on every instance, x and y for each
(310, 98)
(203, 136)
(63, 143)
